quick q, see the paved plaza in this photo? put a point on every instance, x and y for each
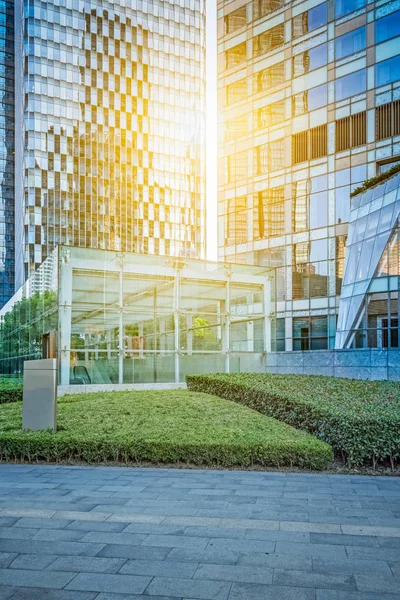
(104, 533)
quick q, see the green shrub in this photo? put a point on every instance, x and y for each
(10, 391)
(360, 419)
(161, 427)
(369, 183)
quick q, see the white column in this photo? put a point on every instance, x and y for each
(65, 316)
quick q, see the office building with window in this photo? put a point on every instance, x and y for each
(109, 105)
(7, 230)
(309, 108)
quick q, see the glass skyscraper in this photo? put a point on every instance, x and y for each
(309, 108)
(110, 127)
(7, 232)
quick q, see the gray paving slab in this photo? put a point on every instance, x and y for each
(33, 562)
(40, 579)
(97, 582)
(103, 533)
(160, 568)
(189, 588)
(242, 591)
(6, 559)
(45, 594)
(135, 552)
(87, 564)
(241, 573)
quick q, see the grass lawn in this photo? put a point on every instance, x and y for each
(360, 419)
(160, 427)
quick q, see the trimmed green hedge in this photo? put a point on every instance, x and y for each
(10, 391)
(360, 419)
(160, 427)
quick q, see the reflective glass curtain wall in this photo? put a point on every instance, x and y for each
(7, 256)
(114, 126)
(309, 108)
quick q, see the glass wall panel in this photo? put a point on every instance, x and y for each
(350, 43)
(132, 319)
(344, 7)
(387, 71)
(29, 320)
(388, 27)
(351, 85)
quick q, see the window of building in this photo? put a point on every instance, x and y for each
(345, 7)
(270, 157)
(387, 71)
(300, 205)
(346, 180)
(273, 75)
(310, 276)
(309, 20)
(309, 60)
(261, 156)
(235, 20)
(310, 333)
(350, 43)
(387, 120)
(270, 257)
(280, 335)
(351, 85)
(351, 132)
(309, 145)
(269, 40)
(341, 241)
(277, 154)
(383, 167)
(310, 100)
(237, 167)
(236, 221)
(236, 92)
(261, 8)
(318, 202)
(236, 55)
(388, 27)
(270, 115)
(269, 213)
(235, 128)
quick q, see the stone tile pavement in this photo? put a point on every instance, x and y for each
(104, 533)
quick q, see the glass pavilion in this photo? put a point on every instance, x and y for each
(123, 318)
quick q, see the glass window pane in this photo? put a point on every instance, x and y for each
(351, 85)
(350, 43)
(388, 27)
(344, 7)
(317, 97)
(388, 71)
(318, 210)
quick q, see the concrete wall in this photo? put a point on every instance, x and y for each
(355, 364)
